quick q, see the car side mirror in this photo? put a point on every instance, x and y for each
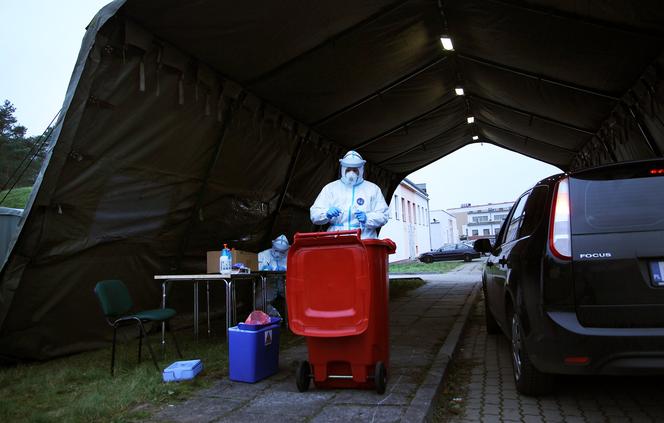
(482, 245)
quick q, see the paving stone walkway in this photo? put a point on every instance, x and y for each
(419, 324)
(492, 397)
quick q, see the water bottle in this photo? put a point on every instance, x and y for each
(225, 261)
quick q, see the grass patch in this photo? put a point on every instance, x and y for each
(79, 388)
(17, 198)
(451, 401)
(417, 267)
(399, 287)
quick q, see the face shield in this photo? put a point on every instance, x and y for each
(280, 244)
(352, 161)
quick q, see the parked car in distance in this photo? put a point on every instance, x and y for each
(575, 277)
(459, 251)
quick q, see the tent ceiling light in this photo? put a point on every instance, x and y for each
(458, 91)
(475, 137)
(470, 119)
(447, 42)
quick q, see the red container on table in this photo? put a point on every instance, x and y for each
(337, 295)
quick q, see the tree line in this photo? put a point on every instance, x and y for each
(20, 156)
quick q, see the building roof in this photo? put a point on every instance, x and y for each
(420, 188)
(487, 205)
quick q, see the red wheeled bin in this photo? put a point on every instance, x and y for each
(337, 296)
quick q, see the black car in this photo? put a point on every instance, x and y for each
(576, 276)
(459, 251)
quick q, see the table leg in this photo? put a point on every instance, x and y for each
(163, 324)
(207, 283)
(196, 310)
(233, 303)
(264, 289)
(228, 306)
(285, 318)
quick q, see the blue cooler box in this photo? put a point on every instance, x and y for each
(253, 351)
(182, 370)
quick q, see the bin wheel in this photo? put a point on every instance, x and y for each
(380, 378)
(303, 376)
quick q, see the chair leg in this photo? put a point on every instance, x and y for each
(154, 358)
(113, 350)
(175, 341)
(140, 344)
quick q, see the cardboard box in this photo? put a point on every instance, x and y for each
(238, 256)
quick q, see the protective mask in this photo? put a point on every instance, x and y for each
(351, 177)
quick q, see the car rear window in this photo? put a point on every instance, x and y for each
(619, 205)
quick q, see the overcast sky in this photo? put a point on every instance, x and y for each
(39, 43)
(480, 173)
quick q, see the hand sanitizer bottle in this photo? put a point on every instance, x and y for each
(225, 261)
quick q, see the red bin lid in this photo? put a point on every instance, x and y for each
(328, 286)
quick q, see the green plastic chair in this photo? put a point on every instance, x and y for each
(116, 302)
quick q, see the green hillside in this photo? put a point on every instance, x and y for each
(17, 198)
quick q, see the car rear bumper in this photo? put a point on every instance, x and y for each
(610, 351)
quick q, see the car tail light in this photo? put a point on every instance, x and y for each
(657, 171)
(572, 360)
(560, 234)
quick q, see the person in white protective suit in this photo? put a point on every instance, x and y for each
(351, 202)
(274, 258)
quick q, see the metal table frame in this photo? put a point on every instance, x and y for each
(229, 282)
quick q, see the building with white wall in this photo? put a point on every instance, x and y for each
(480, 221)
(443, 227)
(408, 225)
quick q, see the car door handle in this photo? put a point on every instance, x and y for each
(504, 262)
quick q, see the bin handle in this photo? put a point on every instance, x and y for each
(305, 235)
(391, 246)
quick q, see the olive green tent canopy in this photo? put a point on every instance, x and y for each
(187, 124)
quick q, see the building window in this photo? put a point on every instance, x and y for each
(486, 232)
(403, 208)
(478, 219)
(496, 230)
(396, 207)
(410, 212)
(475, 232)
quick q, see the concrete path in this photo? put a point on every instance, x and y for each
(419, 323)
(490, 394)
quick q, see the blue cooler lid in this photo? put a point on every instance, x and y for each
(273, 321)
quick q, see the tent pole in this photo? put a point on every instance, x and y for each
(586, 20)
(525, 113)
(284, 191)
(201, 193)
(645, 133)
(539, 77)
(404, 124)
(447, 131)
(379, 14)
(525, 137)
(378, 93)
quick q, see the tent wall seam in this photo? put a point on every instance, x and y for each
(382, 12)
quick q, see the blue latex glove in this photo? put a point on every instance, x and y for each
(332, 212)
(361, 216)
